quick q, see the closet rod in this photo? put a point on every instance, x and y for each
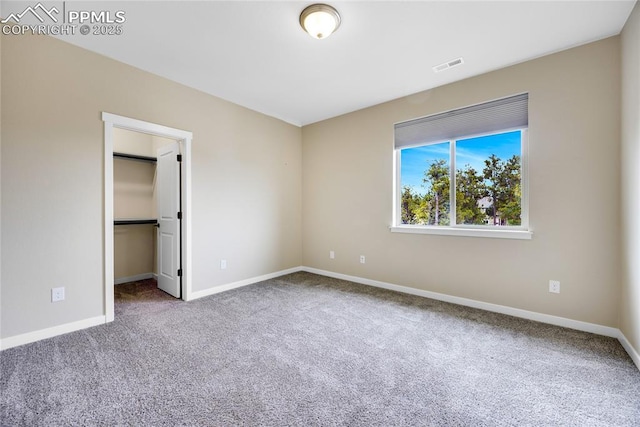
(134, 221)
(135, 157)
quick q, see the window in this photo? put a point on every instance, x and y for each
(463, 172)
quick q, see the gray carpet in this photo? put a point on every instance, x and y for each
(306, 350)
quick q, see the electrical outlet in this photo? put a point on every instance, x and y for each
(223, 264)
(554, 286)
(57, 294)
(362, 259)
(332, 255)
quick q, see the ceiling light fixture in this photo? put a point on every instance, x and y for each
(319, 20)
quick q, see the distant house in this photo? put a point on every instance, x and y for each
(484, 204)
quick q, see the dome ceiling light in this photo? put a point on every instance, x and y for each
(319, 20)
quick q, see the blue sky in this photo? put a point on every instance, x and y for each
(472, 151)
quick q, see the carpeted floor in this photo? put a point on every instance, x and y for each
(306, 350)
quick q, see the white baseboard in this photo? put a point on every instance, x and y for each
(30, 337)
(34, 336)
(241, 283)
(635, 356)
(143, 276)
(516, 312)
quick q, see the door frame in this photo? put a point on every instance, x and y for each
(185, 137)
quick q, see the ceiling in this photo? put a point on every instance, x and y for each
(255, 54)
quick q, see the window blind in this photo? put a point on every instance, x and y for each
(505, 113)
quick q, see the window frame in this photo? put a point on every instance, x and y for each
(522, 231)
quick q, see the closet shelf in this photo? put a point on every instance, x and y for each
(135, 221)
(135, 157)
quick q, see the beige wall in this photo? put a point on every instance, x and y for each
(245, 170)
(134, 250)
(133, 191)
(247, 192)
(1, 184)
(141, 144)
(630, 300)
(574, 158)
(134, 196)
(129, 142)
(133, 188)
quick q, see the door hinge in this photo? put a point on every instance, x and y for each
(179, 157)
(179, 215)
(180, 272)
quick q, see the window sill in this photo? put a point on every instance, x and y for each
(465, 232)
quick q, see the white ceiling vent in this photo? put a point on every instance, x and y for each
(447, 65)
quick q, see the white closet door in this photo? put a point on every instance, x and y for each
(168, 185)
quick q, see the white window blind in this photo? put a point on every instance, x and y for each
(501, 114)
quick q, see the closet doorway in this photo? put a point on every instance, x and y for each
(147, 206)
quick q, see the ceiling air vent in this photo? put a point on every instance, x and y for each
(447, 65)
